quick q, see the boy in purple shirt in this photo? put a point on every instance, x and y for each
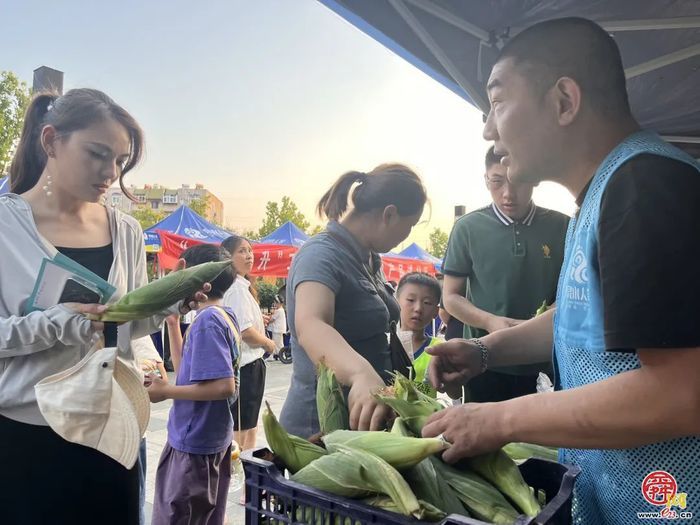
(194, 470)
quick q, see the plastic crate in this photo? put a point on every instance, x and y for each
(273, 499)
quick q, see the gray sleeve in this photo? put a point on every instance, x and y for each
(317, 263)
(40, 331)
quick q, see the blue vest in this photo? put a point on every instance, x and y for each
(609, 489)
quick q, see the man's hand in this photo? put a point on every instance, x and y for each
(192, 303)
(452, 365)
(157, 388)
(496, 323)
(473, 429)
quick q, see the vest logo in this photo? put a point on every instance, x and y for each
(579, 272)
(546, 251)
(195, 234)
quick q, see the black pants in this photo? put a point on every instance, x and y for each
(45, 479)
(494, 386)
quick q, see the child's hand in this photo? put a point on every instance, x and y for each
(157, 388)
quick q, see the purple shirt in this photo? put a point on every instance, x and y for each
(204, 427)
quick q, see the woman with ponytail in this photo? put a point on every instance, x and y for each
(72, 149)
(338, 302)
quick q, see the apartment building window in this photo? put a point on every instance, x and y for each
(154, 205)
(170, 199)
(116, 199)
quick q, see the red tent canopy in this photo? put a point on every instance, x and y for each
(274, 260)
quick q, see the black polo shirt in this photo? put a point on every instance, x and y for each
(511, 266)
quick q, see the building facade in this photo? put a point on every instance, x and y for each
(162, 199)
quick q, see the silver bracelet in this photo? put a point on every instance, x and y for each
(484, 353)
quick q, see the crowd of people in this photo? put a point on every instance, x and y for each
(619, 336)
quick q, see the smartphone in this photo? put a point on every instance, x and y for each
(77, 292)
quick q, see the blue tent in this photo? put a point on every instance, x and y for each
(183, 221)
(288, 234)
(416, 252)
(4, 185)
(456, 42)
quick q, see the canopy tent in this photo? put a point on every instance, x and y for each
(289, 234)
(416, 252)
(4, 185)
(187, 223)
(456, 43)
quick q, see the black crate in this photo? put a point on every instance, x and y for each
(273, 499)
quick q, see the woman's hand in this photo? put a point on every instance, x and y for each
(366, 413)
(85, 309)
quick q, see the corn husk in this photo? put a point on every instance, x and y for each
(427, 511)
(502, 472)
(520, 452)
(294, 451)
(482, 499)
(159, 295)
(412, 405)
(330, 402)
(401, 452)
(355, 473)
(425, 482)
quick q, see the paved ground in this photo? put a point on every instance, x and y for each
(276, 386)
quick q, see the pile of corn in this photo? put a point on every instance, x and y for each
(159, 295)
(396, 470)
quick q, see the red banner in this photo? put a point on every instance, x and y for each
(396, 267)
(271, 260)
(274, 260)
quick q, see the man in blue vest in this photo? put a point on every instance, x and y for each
(626, 328)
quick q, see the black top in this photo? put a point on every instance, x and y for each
(648, 253)
(99, 261)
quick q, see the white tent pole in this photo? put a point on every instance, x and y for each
(684, 22)
(682, 139)
(443, 14)
(439, 54)
(664, 60)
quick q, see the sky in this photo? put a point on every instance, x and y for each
(259, 99)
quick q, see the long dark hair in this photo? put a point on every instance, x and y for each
(385, 185)
(231, 244)
(76, 110)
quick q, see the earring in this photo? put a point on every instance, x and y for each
(47, 186)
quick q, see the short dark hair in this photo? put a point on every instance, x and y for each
(421, 279)
(576, 48)
(492, 158)
(202, 253)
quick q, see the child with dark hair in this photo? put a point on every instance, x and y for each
(194, 471)
(418, 295)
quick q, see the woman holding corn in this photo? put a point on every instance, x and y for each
(72, 149)
(340, 306)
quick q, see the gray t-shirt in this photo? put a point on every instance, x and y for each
(361, 316)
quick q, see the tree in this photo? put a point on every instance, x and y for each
(438, 242)
(147, 217)
(14, 99)
(316, 229)
(266, 292)
(200, 205)
(277, 214)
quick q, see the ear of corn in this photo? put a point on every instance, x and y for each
(427, 511)
(412, 405)
(523, 451)
(501, 471)
(295, 452)
(400, 452)
(356, 473)
(425, 482)
(330, 402)
(481, 498)
(159, 295)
